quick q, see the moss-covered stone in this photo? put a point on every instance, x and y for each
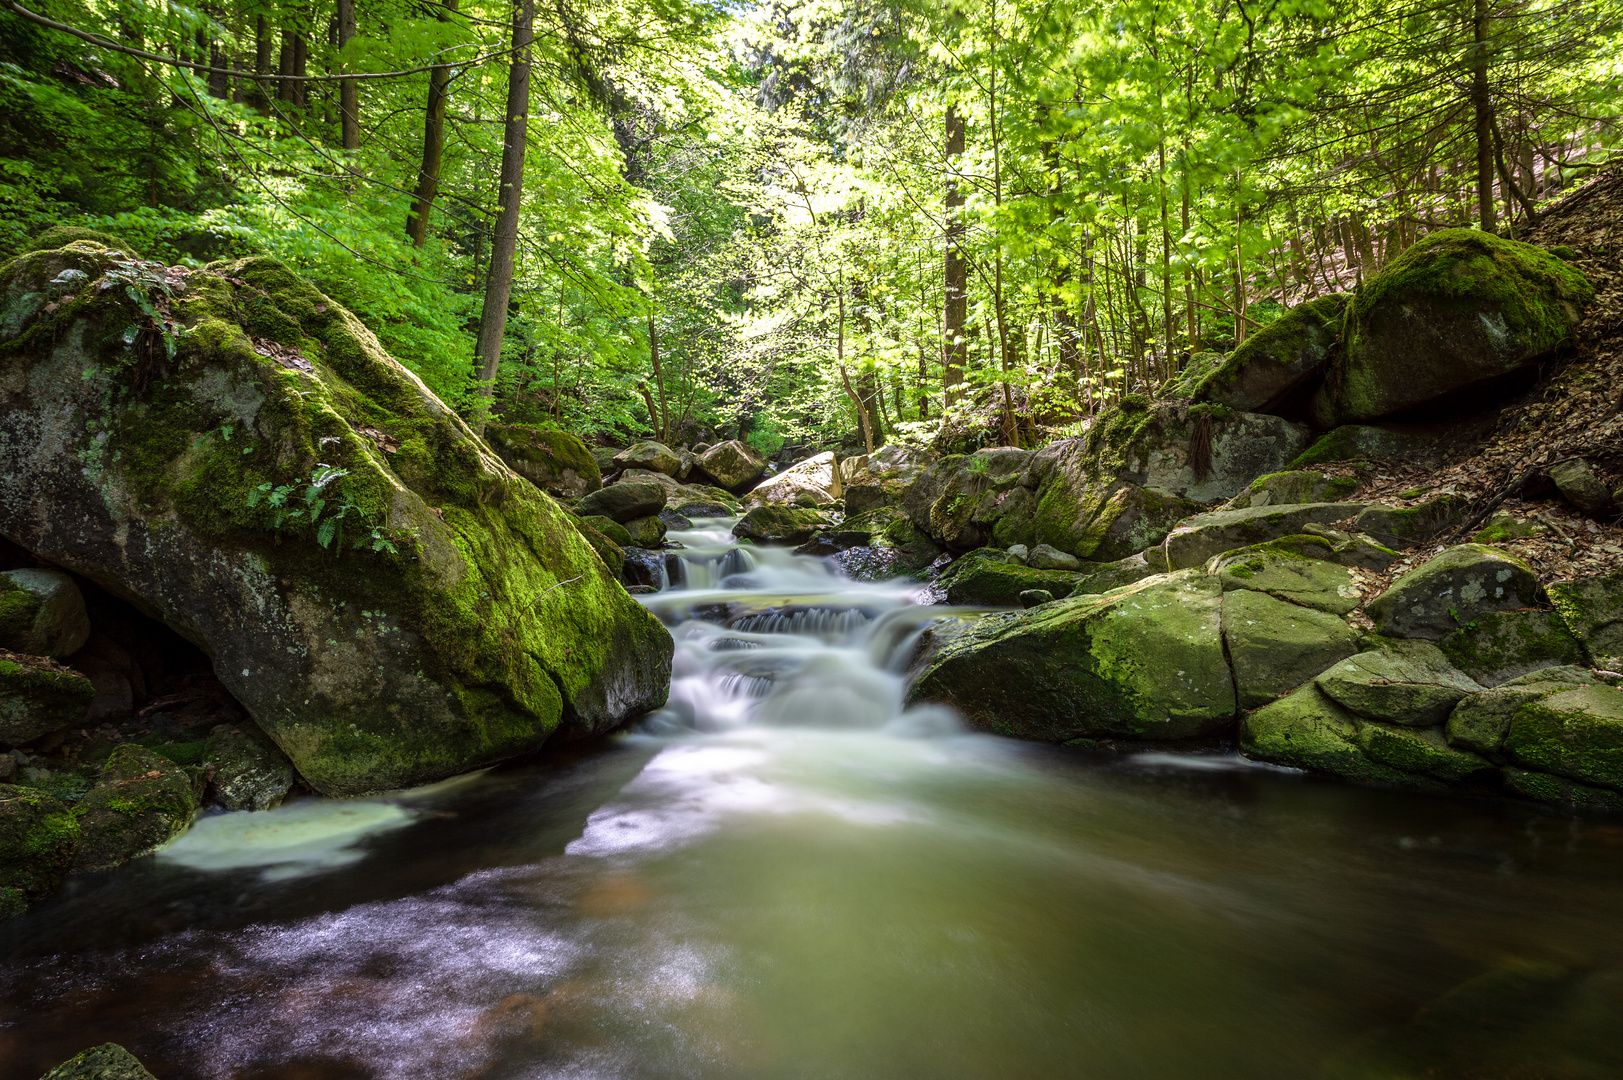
(1577, 733)
(1592, 608)
(1480, 722)
(1455, 311)
(1274, 646)
(38, 697)
(141, 803)
(42, 613)
(604, 535)
(1145, 661)
(646, 532)
(38, 838)
(1560, 790)
(60, 236)
(895, 546)
(1198, 538)
(1106, 520)
(1360, 442)
(1452, 590)
(109, 1061)
(775, 524)
(1409, 683)
(1279, 569)
(554, 460)
(1154, 445)
(1295, 486)
(1103, 577)
(650, 455)
(1420, 750)
(733, 465)
(813, 478)
(1307, 730)
(1273, 365)
(1405, 526)
(986, 579)
(434, 613)
(1506, 527)
(1500, 645)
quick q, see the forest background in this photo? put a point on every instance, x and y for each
(803, 221)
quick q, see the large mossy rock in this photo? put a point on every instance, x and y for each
(1411, 684)
(625, 501)
(1499, 646)
(1451, 590)
(60, 236)
(1296, 486)
(109, 1061)
(1145, 662)
(438, 615)
(1453, 313)
(1197, 538)
(988, 578)
(42, 613)
(966, 501)
(1480, 722)
(140, 803)
(555, 461)
(1275, 646)
(1271, 371)
(1104, 520)
(733, 465)
(38, 696)
(773, 524)
(1280, 569)
(1592, 608)
(650, 455)
(1577, 733)
(38, 838)
(812, 479)
(1308, 730)
(1406, 526)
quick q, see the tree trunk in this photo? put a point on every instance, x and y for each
(349, 91)
(509, 198)
(428, 174)
(1482, 108)
(262, 61)
(954, 343)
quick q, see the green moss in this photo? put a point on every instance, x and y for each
(191, 752)
(1501, 645)
(60, 236)
(38, 838)
(550, 451)
(1307, 730)
(1419, 750)
(1300, 340)
(1577, 734)
(18, 608)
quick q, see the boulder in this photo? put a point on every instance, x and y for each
(38, 838)
(1275, 646)
(141, 803)
(1104, 521)
(1030, 598)
(886, 478)
(1420, 750)
(1498, 646)
(603, 457)
(1413, 444)
(895, 547)
(962, 498)
(1308, 730)
(772, 524)
(1580, 486)
(677, 493)
(42, 613)
(1198, 538)
(1576, 733)
(109, 1061)
(985, 578)
(1481, 721)
(1451, 315)
(1205, 453)
(1297, 486)
(609, 528)
(814, 477)
(733, 465)
(1044, 557)
(1145, 661)
(1278, 569)
(646, 532)
(650, 455)
(1103, 577)
(673, 520)
(555, 461)
(1348, 549)
(1271, 371)
(611, 551)
(1406, 526)
(624, 501)
(1412, 685)
(38, 696)
(1451, 590)
(692, 510)
(1592, 608)
(1557, 789)
(60, 236)
(280, 483)
(250, 771)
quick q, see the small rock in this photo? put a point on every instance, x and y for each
(141, 803)
(646, 532)
(1451, 590)
(109, 1061)
(1030, 598)
(42, 613)
(1579, 485)
(250, 771)
(1019, 552)
(1044, 557)
(1412, 685)
(673, 520)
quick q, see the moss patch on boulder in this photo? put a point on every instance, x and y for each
(1577, 734)
(1308, 730)
(1275, 647)
(1277, 360)
(1592, 608)
(38, 839)
(1453, 589)
(985, 578)
(553, 460)
(1498, 646)
(39, 696)
(141, 803)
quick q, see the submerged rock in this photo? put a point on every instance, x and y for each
(109, 1061)
(38, 839)
(1453, 589)
(42, 613)
(141, 803)
(38, 696)
(387, 599)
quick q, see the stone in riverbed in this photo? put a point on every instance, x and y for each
(732, 465)
(1481, 721)
(771, 524)
(141, 803)
(1501, 645)
(1420, 750)
(988, 578)
(1274, 647)
(38, 837)
(1577, 733)
(646, 532)
(1593, 608)
(250, 771)
(1200, 537)
(813, 477)
(625, 501)
(1452, 590)
(554, 461)
(650, 455)
(39, 696)
(1308, 730)
(1411, 684)
(109, 1061)
(1145, 661)
(1043, 557)
(42, 613)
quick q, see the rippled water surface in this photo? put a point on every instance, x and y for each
(785, 874)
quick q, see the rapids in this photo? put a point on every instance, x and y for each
(786, 873)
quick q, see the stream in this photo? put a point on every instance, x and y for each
(787, 874)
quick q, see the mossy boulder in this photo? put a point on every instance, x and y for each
(42, 613)
(1280, 570)
(774, 524)
(1411, 684)
(1095, 577)
(38, 696)
(813, 478)
(987, 578)
(141, 803)
(389, 601)
(1558, 789)
(625, 501)
(553, 460)
(1308, 730)
(250, 771)
(1592, 608)
(1298, 486)
(968, 500)
(597, 532)
(1145, 662)
(1104, 521)
(733, 465)
(1480, 722)
(60, 236)
(650, 455)
(1274, 646)
(895, 546)
(1406, 526)
(109, 1061)
(1577, 734)
(646, 532)
(38, 838)
(1204, 453)
(1420, 750)
(1271, 371)
(1365, 442)
(1498, 646)
(1453, 589)
(1452, 314)
(1201, 536)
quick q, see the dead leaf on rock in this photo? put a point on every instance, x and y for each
(288, 356)
(385, 442)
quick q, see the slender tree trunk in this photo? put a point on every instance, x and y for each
(1482, 109)
(1239, 261)
(428, 173)
(955, 315)
(301, 68)
(509, 198)
(262, 60)
(349, 91)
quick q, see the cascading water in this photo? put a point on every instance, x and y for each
(786, 873)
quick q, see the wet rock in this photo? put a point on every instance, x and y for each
(1412, 685)
(646, 532)
(1032, 597)
(1275, 646)
(733, 465)
(1560, 790)
(1280, 569)
(1309, 730)
(1420, 750)
(1592, 608)
(250, 771)
(1480, 722)
(1406, 526)
(1452, 314)
(554, 461)
(38, 838)
(1299, 486)
(988, 578)
(1198, 538)
(42, 613)
(1453, 589)
(1145, 662)
(813, 477)
(1269, 373)
(703, 510)
(1044, 557)
(625, 501)
(896, 547)
(772, 524)
(141, 803)
(1500, 645)
(673, 520)
(109, 1061)
(39, 696)
(650, 455)
(1576, 733)
(1580, 486)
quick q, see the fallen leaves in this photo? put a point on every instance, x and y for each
(289, 356)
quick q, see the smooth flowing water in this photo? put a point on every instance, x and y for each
(787, 874)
